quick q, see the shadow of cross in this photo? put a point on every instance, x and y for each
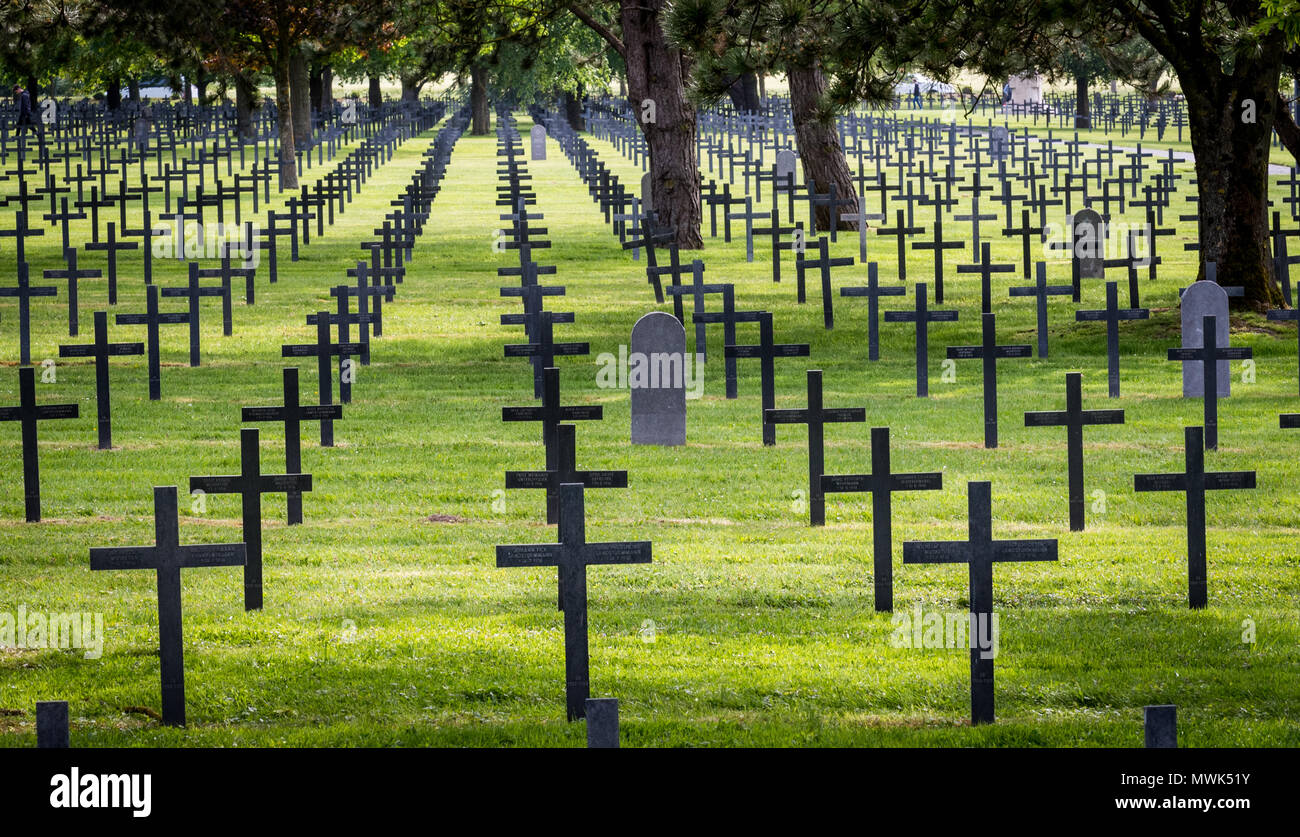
(1208, 356)
(28, 415)
(573, 555)
(882, 482)
(1074, 418)
(815, 416)
(168, 557)
(979, 552)
(250, 484)
(1194, 482)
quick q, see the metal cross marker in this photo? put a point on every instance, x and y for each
(882, 482)
(293, 414)
(573, 554)
(1194, 481)
(323, 350)
(989, 351)
(979, 552)
(1074, 418)
(101, 350)
(152, 319)
(28, 414)
(250, 484)
(24, 293)
(1040, 290)
(815, 416)
(168, 557)
(872, 291)
(767, 352)
(922, 316)
(1208, 355)
(1111, 315)
(985, 268)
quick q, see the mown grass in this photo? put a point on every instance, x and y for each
(384, 628)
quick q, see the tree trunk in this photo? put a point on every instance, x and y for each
(376, 97)
(316, 82)
(300, 99)
(1082, 105)
(573, 108)
(245, 93)
(744, 93)
(1232, 173)
(284, 116)
(133, 89)
(411, 88)
(819, 145)
(33, 90)
(478, 99)
(656, 76)
(113, 95)
(201, 83)
(187, 95)
(327, 90)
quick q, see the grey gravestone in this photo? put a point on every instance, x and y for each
(538, 137)
(52, 725)
(647, 194)
(785, 163)
(999, 142)
(657, 378)
(602, 723)
(1161, 725)
(1204, 299)
(1089, 245)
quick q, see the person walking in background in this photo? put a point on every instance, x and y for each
(23, 103)
(916, 96)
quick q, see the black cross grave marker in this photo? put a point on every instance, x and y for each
(872, 291)
(293, 414)
(1195, 481)
(1112, 315)
(323, 350)
(979, 552)
(922, 316)
(882, 482)
(573, 555)
(567, 471)
(28, 414)
(72, 274)
(1208, 355)
(250, 483)
(101, 350)
(767, 352)
(23, 292)
(1040, 290)
(1074, 418)
(989, 351)
(815, 416)
(168, 557)
(152, 319)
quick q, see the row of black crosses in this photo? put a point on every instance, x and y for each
(979, 551)
(166, 556)
(101, 349)
(563, 483)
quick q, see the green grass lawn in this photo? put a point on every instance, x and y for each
(383, 627)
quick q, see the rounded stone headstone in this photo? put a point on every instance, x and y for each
(1087, 234)
(537, 136)
(786, 160)
(1205, 299)
(656, 375)
(999, 142)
